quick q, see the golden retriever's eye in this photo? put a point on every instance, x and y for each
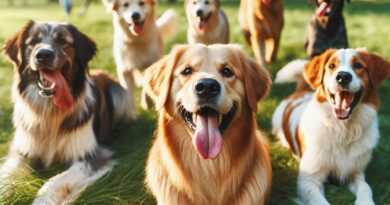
(141, 3)
(206, 2)
(126, 5)
(226, 72)
(187, 71)
(194, 2)
(357, 65)
(332, 65)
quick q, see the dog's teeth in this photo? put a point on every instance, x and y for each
(219, 119)
(52, 86)
(41, 86)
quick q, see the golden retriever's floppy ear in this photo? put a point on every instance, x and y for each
(111, 5)
(378, 70)
(315, 69)
(158, 76)
(14, 47)
(257, 80)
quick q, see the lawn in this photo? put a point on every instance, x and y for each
(367, 25)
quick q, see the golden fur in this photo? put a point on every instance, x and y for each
(216, 25)
(262, 23)
(176, 173)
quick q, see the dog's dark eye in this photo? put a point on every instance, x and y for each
(357, 65)
(194, 2)
(206, 2)
(32, 41)
(141, 3)
(187, 71)
(332, 65)
(226, 72)
(126, 5)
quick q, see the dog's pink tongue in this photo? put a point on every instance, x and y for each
(208, 138)
(322, 9)
(343, 103)
(62, 97)
(202, 25)
(138, 29)
(266, 2)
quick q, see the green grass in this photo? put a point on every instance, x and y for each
(367, 24)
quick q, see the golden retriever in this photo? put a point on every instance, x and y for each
(138, 40)
(262, 22)
(331, 123)
(207, 23)
(207, 149)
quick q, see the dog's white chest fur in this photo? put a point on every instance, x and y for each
(339, 148)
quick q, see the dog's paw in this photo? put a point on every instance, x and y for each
(364, 202)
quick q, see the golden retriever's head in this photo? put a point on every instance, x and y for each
(207, 88)
(199, 12)
(135, 14)
(346, 77)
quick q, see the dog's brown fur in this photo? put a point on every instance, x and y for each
(262, 25)
(176, 173)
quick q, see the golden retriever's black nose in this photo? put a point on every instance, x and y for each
(343, 78)
(207, 88)
(199, 13)
(44, 56)
(135, 16)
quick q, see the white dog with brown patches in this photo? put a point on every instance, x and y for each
(334, 129)
(138, 40)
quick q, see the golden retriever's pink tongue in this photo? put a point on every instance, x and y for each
(139, 28)
(62, 97)
(343, 103)
(208, 138)
(202, 25)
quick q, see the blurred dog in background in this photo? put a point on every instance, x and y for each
(262, 22)
(207, 23)
(326, 28)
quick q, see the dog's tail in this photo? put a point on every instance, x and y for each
(291, 72)
(167, 23)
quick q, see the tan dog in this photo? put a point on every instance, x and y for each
(207, 149)
(207, 23)
(333, 129)
(262, 23)
(138, 39)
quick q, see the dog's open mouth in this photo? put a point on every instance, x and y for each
(203, 22)
(208, 126)
(52, 84)
(344, 102)
(137, 27)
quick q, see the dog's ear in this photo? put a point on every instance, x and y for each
(111, 5)
(158, 77)
(378, 68)
(14, 47)
(257, 80)
(315, 69)
(85, 48)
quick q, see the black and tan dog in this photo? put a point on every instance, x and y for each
(61, 112)
(326, 28)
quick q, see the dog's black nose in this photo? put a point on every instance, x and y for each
(135, 16)
(199, 13)
(207, 88)
(343, 78)
(44, 55)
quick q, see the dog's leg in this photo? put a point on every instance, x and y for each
(311, 189)
(271, 49)
(361, 190)
(126, 79)
(67, 186)
(258, 46)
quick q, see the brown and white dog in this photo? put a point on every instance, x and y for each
(61, 112)
(207, 149)
(207, 23)
(138, 40)
(262, 22)
(334, 129)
